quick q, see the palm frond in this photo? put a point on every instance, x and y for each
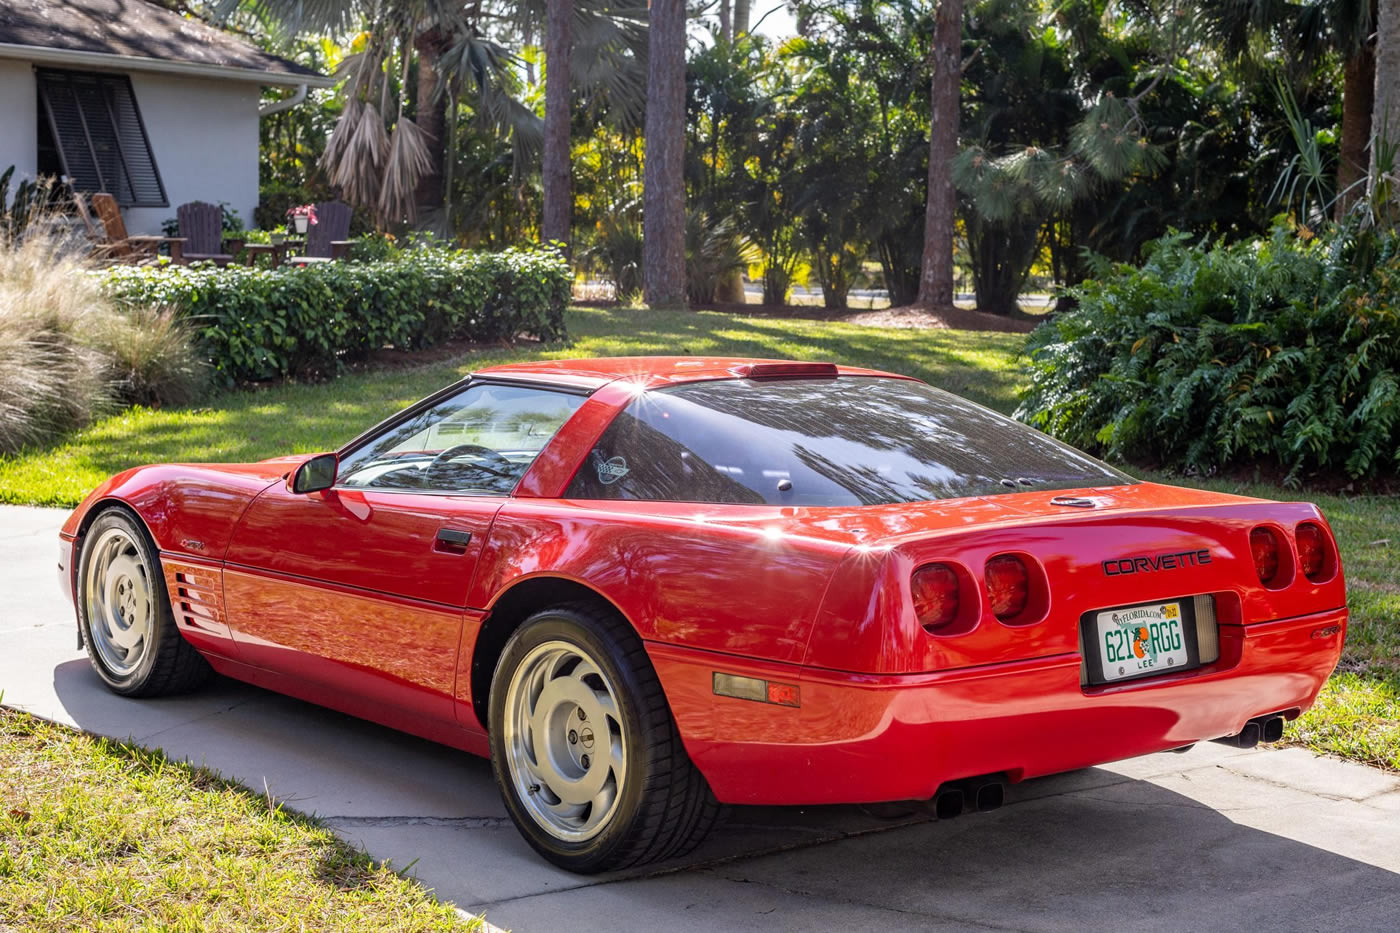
(357, 170)
(407, 162)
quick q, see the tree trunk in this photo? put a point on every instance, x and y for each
(663, 203)
(555, 163)
(945, 55)
(431, 117)
(726, 22)
(741, 18)
(1385, 115)
(1358, 97)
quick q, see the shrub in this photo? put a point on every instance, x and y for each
(616, 253)
(151, 357)
(66, 354)
(256, 324)
(49, 381)
(714, 254)
(1283, 351)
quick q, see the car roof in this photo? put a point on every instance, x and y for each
(654, 371)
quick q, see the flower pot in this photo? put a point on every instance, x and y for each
(278, 237)
(301, 221)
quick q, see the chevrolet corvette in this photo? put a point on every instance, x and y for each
(647, 587)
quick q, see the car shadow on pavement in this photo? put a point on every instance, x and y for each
(1163, 843)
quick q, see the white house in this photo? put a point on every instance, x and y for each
(127, 97)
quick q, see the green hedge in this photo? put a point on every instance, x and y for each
(1283, 351)
(257, 324)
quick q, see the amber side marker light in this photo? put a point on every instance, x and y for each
(1008, 586)
(935, 591)
(1312, 554)
(1263, 544)
(760, 691)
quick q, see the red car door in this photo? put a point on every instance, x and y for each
(363, 586)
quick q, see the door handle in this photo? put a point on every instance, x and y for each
(452, 541)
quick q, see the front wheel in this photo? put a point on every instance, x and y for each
(584, 749)
(124, 612)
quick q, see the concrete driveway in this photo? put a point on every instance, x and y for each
(1213, 839)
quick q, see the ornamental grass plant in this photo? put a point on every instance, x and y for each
(68, 354)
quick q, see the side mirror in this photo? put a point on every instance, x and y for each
(315, 474)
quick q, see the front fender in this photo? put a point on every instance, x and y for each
(189, 509)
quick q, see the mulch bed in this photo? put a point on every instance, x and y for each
(909, 316)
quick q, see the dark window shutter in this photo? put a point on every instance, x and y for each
(100, 137)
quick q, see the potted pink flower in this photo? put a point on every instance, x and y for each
(302, 216)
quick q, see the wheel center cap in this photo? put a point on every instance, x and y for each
(585, 736)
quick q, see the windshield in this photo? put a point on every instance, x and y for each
(477, 442)
(843, 441)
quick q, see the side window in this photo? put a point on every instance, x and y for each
(641, 456)
(478, 442)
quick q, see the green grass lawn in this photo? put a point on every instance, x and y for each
(102, 835)
(244, 426)
(1358, 715)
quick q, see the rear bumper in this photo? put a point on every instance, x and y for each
(864, 738)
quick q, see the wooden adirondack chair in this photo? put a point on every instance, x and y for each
(202, 228)
(329, 238)
(112, 240)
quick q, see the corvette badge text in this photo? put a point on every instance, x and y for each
(1114, 568)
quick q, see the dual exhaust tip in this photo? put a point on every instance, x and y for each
(1260, 729)
(983, 794)
(977, 795)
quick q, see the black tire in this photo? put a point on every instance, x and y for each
(167, 664)
(664, 807)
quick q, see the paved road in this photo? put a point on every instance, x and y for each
(1214, 839)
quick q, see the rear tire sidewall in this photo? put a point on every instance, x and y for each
(577, 629)
(161, 616)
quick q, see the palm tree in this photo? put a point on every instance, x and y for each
(1306, 30)
(556, 163)
(663, 205)
(382, 158)
(1387, 108)
(741, 19)
(607, 41)
(945, 55)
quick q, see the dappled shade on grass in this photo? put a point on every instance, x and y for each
(292, 418)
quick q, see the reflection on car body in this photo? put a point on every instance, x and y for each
(645, 587)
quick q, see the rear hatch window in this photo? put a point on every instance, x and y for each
(823, 442)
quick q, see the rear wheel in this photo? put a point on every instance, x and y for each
(584, 749)
(124, 612)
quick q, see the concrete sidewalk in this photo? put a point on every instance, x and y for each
(1213, 839)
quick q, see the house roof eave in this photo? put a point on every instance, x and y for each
(110, 62)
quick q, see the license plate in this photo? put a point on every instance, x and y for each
(1141, 640)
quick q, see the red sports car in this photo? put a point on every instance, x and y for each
(644, 587)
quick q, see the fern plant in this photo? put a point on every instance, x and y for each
(1283, 351)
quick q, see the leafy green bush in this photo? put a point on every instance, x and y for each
(267, 323)
(714, 255)
(616, 252)
(1284, 351)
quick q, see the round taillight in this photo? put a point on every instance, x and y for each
(935, 589)
(1263, 544)
(1008, 586)
(1312, 554)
